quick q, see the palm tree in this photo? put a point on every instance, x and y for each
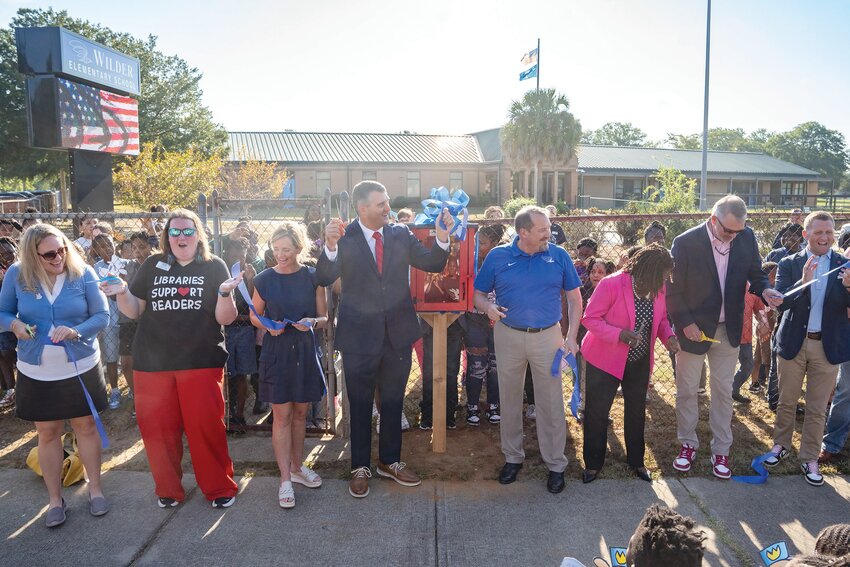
(540, 129)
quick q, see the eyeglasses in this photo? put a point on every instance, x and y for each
(175, 232)
(51, 255)
(726, 230)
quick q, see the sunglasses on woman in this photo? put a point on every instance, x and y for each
(51, 255)
(175, 232)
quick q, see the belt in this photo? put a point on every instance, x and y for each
(528, 329)
(814, 336)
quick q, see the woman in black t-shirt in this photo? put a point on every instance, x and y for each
(181, 298)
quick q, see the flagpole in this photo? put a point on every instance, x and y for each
(538, 64)
(703, 179)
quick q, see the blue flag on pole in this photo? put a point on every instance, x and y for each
(529, 73)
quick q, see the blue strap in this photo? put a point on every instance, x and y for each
(758, 466)
(563, 359)
(104, 439)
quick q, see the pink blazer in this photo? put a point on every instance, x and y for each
(611, 309)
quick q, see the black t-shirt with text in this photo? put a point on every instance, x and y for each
(178, 329)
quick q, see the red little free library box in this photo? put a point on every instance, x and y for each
(452, 289)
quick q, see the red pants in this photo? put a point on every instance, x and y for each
(169, 403)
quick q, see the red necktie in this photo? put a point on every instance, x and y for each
(379, 251)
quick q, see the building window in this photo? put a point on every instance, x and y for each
(370, 176)
(793, 193)
(323, 181)
(747, 191)
(413, 184)
(629, 189)
(455, 180)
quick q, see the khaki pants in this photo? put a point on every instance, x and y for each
(514, 351)
(820, 382)
(722, 359)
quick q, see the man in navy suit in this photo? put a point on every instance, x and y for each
(377, 324)
(813, 339)
(712, 264)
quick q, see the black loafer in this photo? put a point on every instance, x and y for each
(643, 474)
(588, 476)
(741, 399)
(555, 483)
(508, 473)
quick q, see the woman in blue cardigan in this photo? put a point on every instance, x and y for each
(50, 299)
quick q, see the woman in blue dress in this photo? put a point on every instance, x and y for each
(291, 375)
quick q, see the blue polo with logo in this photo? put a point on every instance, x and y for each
(528, 285)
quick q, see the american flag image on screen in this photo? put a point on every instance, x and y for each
(97, 120)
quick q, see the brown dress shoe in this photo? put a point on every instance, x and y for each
(358, 486)
(825, 457)
(399, 473)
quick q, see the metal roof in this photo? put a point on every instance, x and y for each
(318, 147)
(595, 159)
(485, 147)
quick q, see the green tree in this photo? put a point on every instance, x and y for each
(174, 178)
(170, 108)
(250, 178)
(616, 134)
(541, 129)
(814, 146)
(684, 141)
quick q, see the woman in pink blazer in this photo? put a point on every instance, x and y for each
(623, 318)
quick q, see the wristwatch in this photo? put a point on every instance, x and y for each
(225, 293)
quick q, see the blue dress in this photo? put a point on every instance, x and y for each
(290, 369)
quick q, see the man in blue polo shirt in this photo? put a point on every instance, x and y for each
(528, 276)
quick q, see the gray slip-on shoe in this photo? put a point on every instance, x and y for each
(56, 515)
(98, 506)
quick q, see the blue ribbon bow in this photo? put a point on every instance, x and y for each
(561, 359)
(441, 199)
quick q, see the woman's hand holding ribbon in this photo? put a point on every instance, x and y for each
(230, 284)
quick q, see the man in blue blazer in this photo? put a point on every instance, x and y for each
(712, 264)
(813, 339)
(377, 324)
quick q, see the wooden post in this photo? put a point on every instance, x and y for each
(439, 323)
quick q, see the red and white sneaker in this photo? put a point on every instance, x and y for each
(720, 466)
(687, 455)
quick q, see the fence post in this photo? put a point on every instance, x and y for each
(202, 208)
(216, 229)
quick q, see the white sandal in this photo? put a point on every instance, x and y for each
(307, 477)
(286, 495)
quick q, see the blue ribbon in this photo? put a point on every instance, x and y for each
(101, 430)
(269, 324)
(758, 466)
(563, 358)
(441, 199)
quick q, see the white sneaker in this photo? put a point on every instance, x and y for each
(8, 398)
(530, 412)
(307, 477)
(812, 472)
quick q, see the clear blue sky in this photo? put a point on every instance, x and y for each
(452, 66)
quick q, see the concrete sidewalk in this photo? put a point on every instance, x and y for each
(439, 523)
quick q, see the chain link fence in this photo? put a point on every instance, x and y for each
(135, 235)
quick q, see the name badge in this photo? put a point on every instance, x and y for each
(163, 266)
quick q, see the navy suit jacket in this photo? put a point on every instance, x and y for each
(372, 304)
(694, 294)
(796, 308)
